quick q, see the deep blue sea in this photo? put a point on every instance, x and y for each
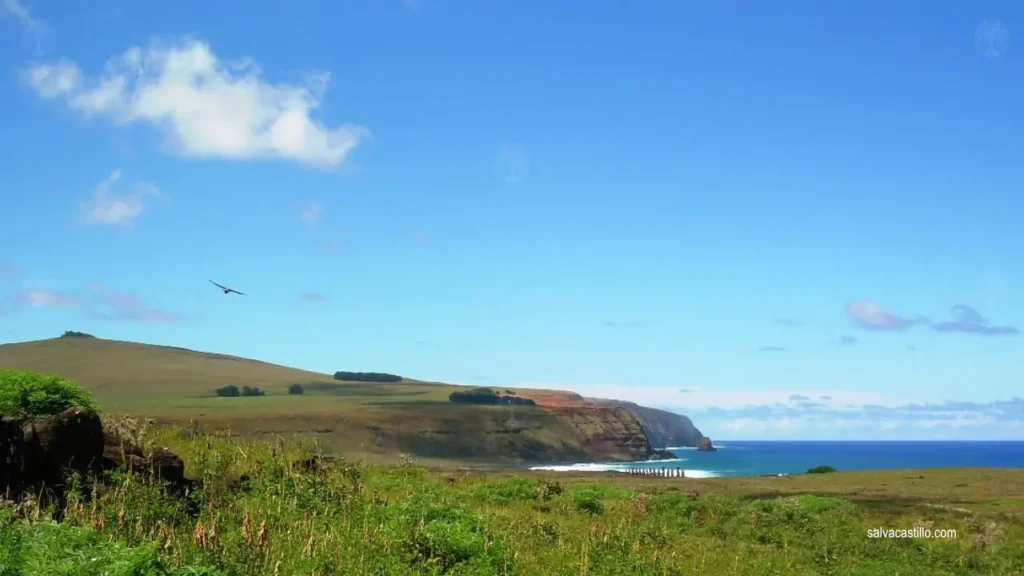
(754, 458)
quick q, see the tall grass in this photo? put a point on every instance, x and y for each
(290, 515)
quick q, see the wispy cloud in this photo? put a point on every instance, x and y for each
(421, 237)
(799, 417)
(513, 163)
(772, 349)
(788, 322)
(868, 315)
(107, 304)
(205, 107)
(110, 209)
(310, 213)
(312, 297)
(967, 320)
(991, 38)
(38, 36)
(48, 299)
(847, 340)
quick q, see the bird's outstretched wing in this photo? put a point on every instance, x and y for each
(237, 292)
(219, 286)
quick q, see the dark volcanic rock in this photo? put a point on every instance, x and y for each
(705, 445)
(663, 455)
(38, 454)
(314, 463)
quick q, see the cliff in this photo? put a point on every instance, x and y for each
(663, 429)
(177, 386)
(606, 433)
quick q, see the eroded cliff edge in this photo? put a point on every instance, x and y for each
(663, 429)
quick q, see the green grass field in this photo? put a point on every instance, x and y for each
(351, 518)
(371, 420)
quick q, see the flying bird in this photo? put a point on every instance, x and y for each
(227, 290)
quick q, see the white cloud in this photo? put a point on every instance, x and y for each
(49, 299)
(38, 37)
(310, 214)
(206, 107)
(777, 425)
(692, 397)
(991, 38)
(107, 208)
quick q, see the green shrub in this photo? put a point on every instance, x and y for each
(228, 391)
(588, 501)
(73, 334)
(507, 490)
(821, 470)
(233, 391)
(296, 389)
(25, 394)
(52, 549)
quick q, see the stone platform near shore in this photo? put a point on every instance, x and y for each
(657, 472)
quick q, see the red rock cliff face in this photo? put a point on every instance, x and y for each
(605, 433)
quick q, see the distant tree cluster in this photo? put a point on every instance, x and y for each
(487, 396)
(821, 470)
(73, 334)
(234, 391)
(366, 377)
(296, 389)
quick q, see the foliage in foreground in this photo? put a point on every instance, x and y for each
(26, 394)
(346, 518)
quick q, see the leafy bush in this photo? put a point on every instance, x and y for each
(507, 490)
(588, 501)
(228, 391)
(821, 470)
(296, 389)
(26, 394)
(234, 391)
(487, 396)
(73, 334)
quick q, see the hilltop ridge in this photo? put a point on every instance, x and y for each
(372, 419)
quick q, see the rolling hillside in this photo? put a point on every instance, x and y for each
(361, 419)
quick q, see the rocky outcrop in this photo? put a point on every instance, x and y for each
(663, 429)
(606, 433)
(661, 454)
(38, 454)
(705, 445)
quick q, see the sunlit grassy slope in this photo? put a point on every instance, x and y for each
(175, 384)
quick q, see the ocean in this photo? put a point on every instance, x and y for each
(756, 458)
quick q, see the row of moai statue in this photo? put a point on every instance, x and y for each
(658, 472)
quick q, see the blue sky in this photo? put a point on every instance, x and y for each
(799, 223)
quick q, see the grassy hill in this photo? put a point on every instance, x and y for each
(371, 420)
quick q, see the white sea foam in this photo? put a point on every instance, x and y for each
(625, 467)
